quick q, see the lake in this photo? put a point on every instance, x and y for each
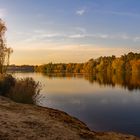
(102, 104)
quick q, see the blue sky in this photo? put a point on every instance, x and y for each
(42, 31)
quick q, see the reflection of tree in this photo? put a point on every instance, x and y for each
(130, 82)
(135, 81)
(63, 75)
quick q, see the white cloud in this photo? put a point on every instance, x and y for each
(105, 36)
(39, 31)
(80, 29)
(124, 36)
(78, 33)
(137, 38)
(80, 12)
(51, 35)
(77, 36)
(99, 36)
(2, 13)
(40, 35)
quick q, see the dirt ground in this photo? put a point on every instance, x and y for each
(23, 122)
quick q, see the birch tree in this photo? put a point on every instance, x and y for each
(4, 50)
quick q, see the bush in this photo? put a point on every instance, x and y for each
(6, 82)
(23, 90)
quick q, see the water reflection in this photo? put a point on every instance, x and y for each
(104, 103)
(128, 81)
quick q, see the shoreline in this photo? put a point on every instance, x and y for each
(23, 121)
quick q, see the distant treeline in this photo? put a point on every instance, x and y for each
(22, 68)
(125, 64)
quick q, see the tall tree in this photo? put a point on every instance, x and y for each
(4, 50)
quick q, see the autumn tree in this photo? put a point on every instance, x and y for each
(4, 50)
(135, 67)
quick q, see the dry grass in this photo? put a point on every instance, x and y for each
(22, 90)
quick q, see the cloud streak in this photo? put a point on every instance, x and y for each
(54, 36)
(78, 33)
(123, 13)
(106, 36)
(136, 39)
(118, 13)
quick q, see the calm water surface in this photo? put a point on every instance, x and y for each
(103, 107)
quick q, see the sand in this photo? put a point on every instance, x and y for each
(31, 122)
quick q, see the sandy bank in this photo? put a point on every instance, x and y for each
(23, 122)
